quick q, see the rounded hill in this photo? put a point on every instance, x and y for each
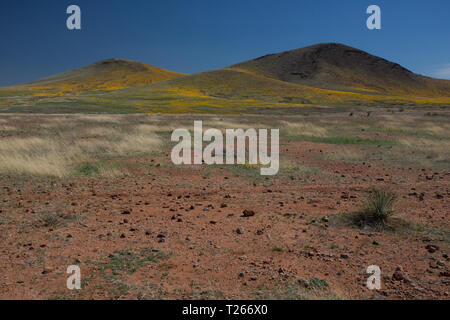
(340, 67)
(110, 74)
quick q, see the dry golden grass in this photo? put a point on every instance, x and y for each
(303, 128)
(126, 144)
(35, 156)
(229, 124)
(152, 128)
(346, 154)
(99, 132)
(441, 129)
(100, 118)
(59, 154)
(59, 145)
(290, 167)
(411, 125)
(7, 128)
(425, 144)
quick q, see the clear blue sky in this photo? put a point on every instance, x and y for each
(196, 35)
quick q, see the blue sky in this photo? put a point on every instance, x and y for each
(199, 35)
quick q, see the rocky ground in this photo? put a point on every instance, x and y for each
(220, 232)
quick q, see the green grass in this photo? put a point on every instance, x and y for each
(111, 276)
(318, 284)
(347, 140)
(432, 232)
(88, 169)
(312, 289)
(207, 294)
(129, 260)
(252, 172)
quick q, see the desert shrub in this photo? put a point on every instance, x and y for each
(318, 284)
(54, 220)
(377, 210)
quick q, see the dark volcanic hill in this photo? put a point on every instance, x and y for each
(340, 67)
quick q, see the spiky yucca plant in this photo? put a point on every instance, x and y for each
(377, 210)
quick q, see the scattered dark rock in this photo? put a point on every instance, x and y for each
(304, 283)
(440, 263)
(398, 274)
(290, 214)
(431, 248)
(248, 213)
(161, 235)
(47, 270)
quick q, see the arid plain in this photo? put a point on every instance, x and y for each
(86, 179)
(101, 192)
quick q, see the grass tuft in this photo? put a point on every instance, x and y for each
(378, 209)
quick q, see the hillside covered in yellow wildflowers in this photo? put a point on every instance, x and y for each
(106, 75)
(321, 75)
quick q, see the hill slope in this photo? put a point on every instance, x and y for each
(108, 74)
(331, 74)
(325, 74)
(340, 67)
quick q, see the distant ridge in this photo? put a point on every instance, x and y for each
(110, 74)
(328, 74)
